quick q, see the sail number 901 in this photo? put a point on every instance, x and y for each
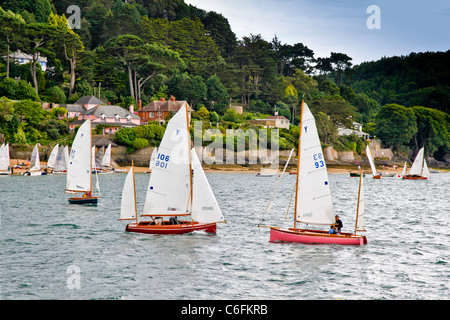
(162, 161)
(318, 162)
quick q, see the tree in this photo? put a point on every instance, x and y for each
(340, 62)
(395, 124)
(36, 42)
(215, 90)
(11, 28)
(341, 112)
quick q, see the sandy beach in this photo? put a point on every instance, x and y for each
(230, 168)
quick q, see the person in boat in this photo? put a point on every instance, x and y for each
(87, 194)
(333, 229)
(338, 223)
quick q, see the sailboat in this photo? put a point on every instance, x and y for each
(35, 163)
(178, 187)
(403, 171)
(152, 160)
(419, 168)
(51, 162)
(79, 171)
(5, 168)
(313, 202)
(372, 164)
(61, 160)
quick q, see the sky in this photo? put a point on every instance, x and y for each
(327, 26)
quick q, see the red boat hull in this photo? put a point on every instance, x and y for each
(315, 237)
(407, 177)
(149, 227)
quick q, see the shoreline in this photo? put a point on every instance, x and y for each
(251, 169)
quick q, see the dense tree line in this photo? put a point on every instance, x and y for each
(135, 51)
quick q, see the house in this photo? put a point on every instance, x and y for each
(273, 122)
(158, 110)
(23, 58)
(113, 117)
(356, 129)
(81, 105)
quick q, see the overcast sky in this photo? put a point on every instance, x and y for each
(327, 26)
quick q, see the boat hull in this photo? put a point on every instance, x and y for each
(182, 228)
(315, 237)
(353, 174)
(376, 177)
(77, 200)
(409, 177)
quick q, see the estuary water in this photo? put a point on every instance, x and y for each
(51, 249)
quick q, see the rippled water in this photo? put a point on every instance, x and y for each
(43, 238)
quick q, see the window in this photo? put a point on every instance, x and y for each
(103, 116)
(159, 113)
(152, 114)
(117, 117)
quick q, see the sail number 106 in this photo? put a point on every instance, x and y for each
(162, 161)
(318, 160)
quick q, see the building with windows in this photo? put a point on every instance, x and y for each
(273, 122)
(159, 110)
(23, 58)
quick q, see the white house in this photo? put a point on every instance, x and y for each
(23, 58)
(357, 129)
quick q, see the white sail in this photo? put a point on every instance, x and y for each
(51, 163)
(106, 161)
(372, 164)
(416, 168)
(79, 167)
(66, 157)
(205, 208)
(128, 203)
(4, 157)
(314, 204)
(60, 162)
(169, 186)
(153, 158)
(404, 170)
(99, 157)
(361, 207)
(35, 162)
(425, 171)
(93, 157)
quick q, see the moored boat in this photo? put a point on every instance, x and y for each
(419, 169)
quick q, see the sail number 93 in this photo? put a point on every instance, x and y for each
(318, 160)
(162, 161)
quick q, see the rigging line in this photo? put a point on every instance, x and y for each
(276, 187)
(290, 201)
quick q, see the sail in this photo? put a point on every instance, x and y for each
(99, 157)
(79, 167)
(106, 161)
(4, 157)
(169, 185)
(66, 157)
(153, 158)
(404, 170)
(128, 204)
(51, 163)
(314, 204)
(35, 162)
(205, 208)
(361, 207)
(372, 164)
(60, 164)
(425, 171)
(416, 168)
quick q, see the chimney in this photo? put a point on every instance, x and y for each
(140, 104)
(172, 98)
(162, 99)
(131, 108)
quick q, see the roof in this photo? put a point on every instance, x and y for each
(110, 112)
(89, 100)
(73, 107)
(169, 105)
(102, 142)
(277, 118)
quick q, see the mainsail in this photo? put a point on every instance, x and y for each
(372, 164)
(4, 157)
(153, 158)
(314, 204)
(106, 161)
(51, 163)
(35, 162)
(79, 167)
(169, 186)
(416, 168)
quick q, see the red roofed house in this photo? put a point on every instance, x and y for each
(158, 110)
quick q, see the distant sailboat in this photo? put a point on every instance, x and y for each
(419, 168)
(178, 187)
(267, 172)
(35, 163)
(5, 168)
(375, 175)
(79, 170)
(51, 162)
(152, 160)
(403, 172)
(313, 202)
(61, 160)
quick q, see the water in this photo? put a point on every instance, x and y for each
(46, 243)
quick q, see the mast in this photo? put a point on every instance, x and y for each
(90, 144)
(359, 194)
(189, 148)
(134, 188)
(298, 166)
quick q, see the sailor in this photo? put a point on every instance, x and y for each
(338, 223)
